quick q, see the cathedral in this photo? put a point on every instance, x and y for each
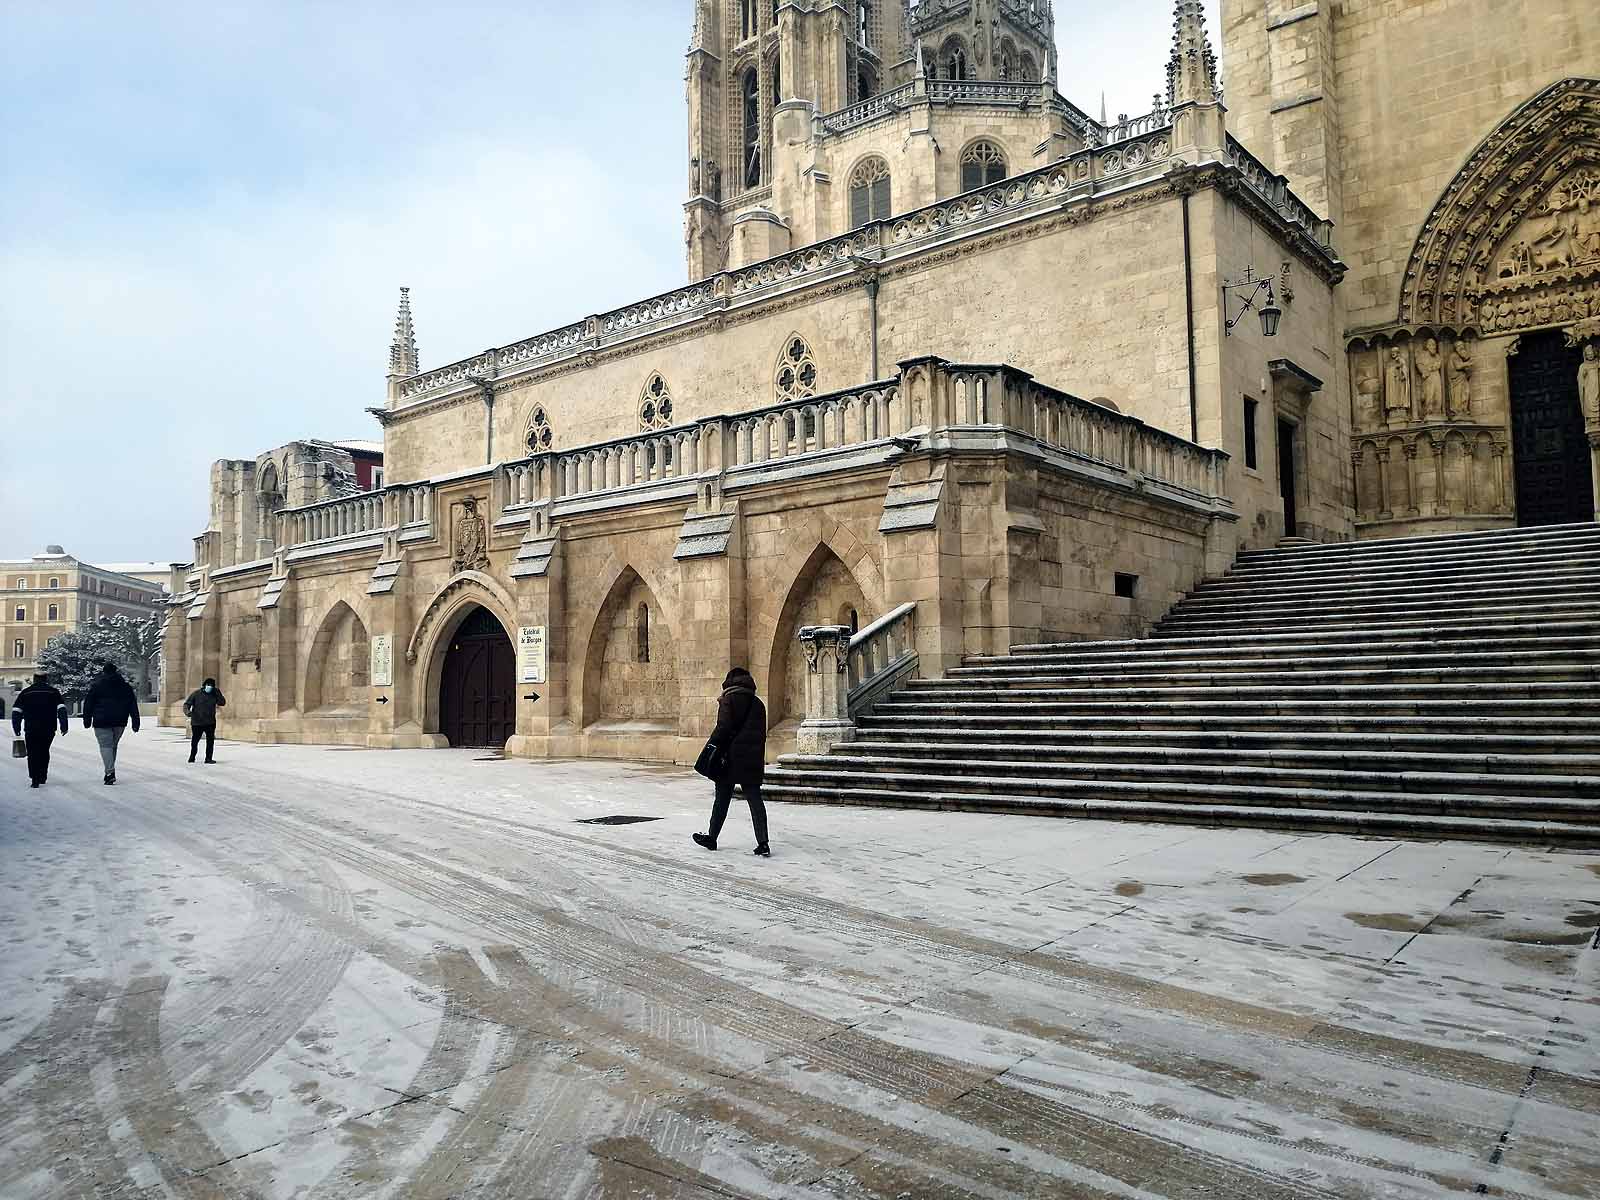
(953, 356)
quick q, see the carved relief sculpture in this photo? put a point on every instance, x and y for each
(1430, 367)
(1459, 368)
(1589, 386)
(470, 545)
(1397, 389)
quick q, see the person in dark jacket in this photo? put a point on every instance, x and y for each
(201, 709)
(36, 714)
(741, 735)
(109, 708)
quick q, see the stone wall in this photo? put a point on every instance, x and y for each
(1094, 302)
(997, 536)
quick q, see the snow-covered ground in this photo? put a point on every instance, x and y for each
(323, 972)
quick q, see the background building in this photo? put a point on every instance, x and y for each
(54, 593)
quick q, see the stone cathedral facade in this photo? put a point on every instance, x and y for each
(951, 347)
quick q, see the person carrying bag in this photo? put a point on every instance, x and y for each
(736, 756)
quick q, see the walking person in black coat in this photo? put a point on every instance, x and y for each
(741, 737)
(36, 714)
(109, 708)
(201, 709)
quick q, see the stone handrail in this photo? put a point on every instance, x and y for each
(881, 656)
(869, 109)
(983, 91)
(1274, 189)
(812, 425)
(363, 515)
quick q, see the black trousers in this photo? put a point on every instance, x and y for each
(39, 752)
(752, 795)
(196, 732)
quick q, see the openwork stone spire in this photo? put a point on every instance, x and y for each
(1192, 70)
(403, 350)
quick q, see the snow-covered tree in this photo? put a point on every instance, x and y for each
(72, 660)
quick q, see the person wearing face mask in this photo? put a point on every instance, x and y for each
(201, 709)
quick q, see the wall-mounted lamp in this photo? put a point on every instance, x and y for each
(1269, 312)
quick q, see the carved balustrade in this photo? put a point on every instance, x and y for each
(882, 656)
(361, 516)
(1274, 189)
(869, 110)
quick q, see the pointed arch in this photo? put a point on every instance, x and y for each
(338, 662)
(618, 681)
(823, 586)
(1459, 260)
(452, 604)
(655, 404)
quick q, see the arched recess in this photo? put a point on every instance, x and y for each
(822, 589)
(430, 640)
(619, 683)
(1515, 190)
(338, 665)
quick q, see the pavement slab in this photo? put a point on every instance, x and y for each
(321, 972)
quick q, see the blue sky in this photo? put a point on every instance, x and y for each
(206, 210)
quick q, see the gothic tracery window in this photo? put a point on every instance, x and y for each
(747, 18)
(869, 192)
(796, 378)
(953, 59)
(752, 128)
(1030, 69)
(537, 438)
(982, 163)
(655, 405)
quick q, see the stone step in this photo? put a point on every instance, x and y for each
(1475, 827)
(1033, 776)
(1521, 586)
(998, 678)
(1245, 624)
(1156, 655)
(1447, 607)
(1431, 601)
(1045, 668)
(1457, 747)
(1200, 718)
(1545, 558)
(1449, 700)
(1433, 543)
(1348, 637)
(1467, 758)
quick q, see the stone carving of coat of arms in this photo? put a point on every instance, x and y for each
(470, 543)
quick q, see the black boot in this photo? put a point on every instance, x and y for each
(35, 783)
(111, 777)
(704, 839)
(763, 851)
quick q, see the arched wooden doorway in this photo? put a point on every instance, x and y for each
(478, 693)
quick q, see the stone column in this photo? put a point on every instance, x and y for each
(1594, 468)
(827, 723)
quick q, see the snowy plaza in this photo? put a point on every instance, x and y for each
(323, 972)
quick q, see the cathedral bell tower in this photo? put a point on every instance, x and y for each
(1007, 41)
(758, 71)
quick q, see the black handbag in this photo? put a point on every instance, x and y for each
(712, 763)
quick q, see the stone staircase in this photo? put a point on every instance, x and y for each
(1428, 687)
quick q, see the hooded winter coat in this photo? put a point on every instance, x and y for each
(741, 731)
(110, 703)
(201, 706)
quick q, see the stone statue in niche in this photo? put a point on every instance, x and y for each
(1589, 385)
(1458, 366)
(1397, 389)
(470, 546)
(1430, 367)
(1369, 403)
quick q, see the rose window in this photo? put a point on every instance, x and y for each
(797, 372)
(538, 438)
(655, 405)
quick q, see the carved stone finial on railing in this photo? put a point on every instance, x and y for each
(827, 723)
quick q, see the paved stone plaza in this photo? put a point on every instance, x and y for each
(322, 972)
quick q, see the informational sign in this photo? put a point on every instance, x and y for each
(530, 654)
(382, 661)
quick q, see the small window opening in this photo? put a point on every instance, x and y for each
(55, 583)
(1250, 433)
(643, 632)
(1127, 585)
(55, 613)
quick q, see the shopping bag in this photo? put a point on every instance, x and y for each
(19, 748)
